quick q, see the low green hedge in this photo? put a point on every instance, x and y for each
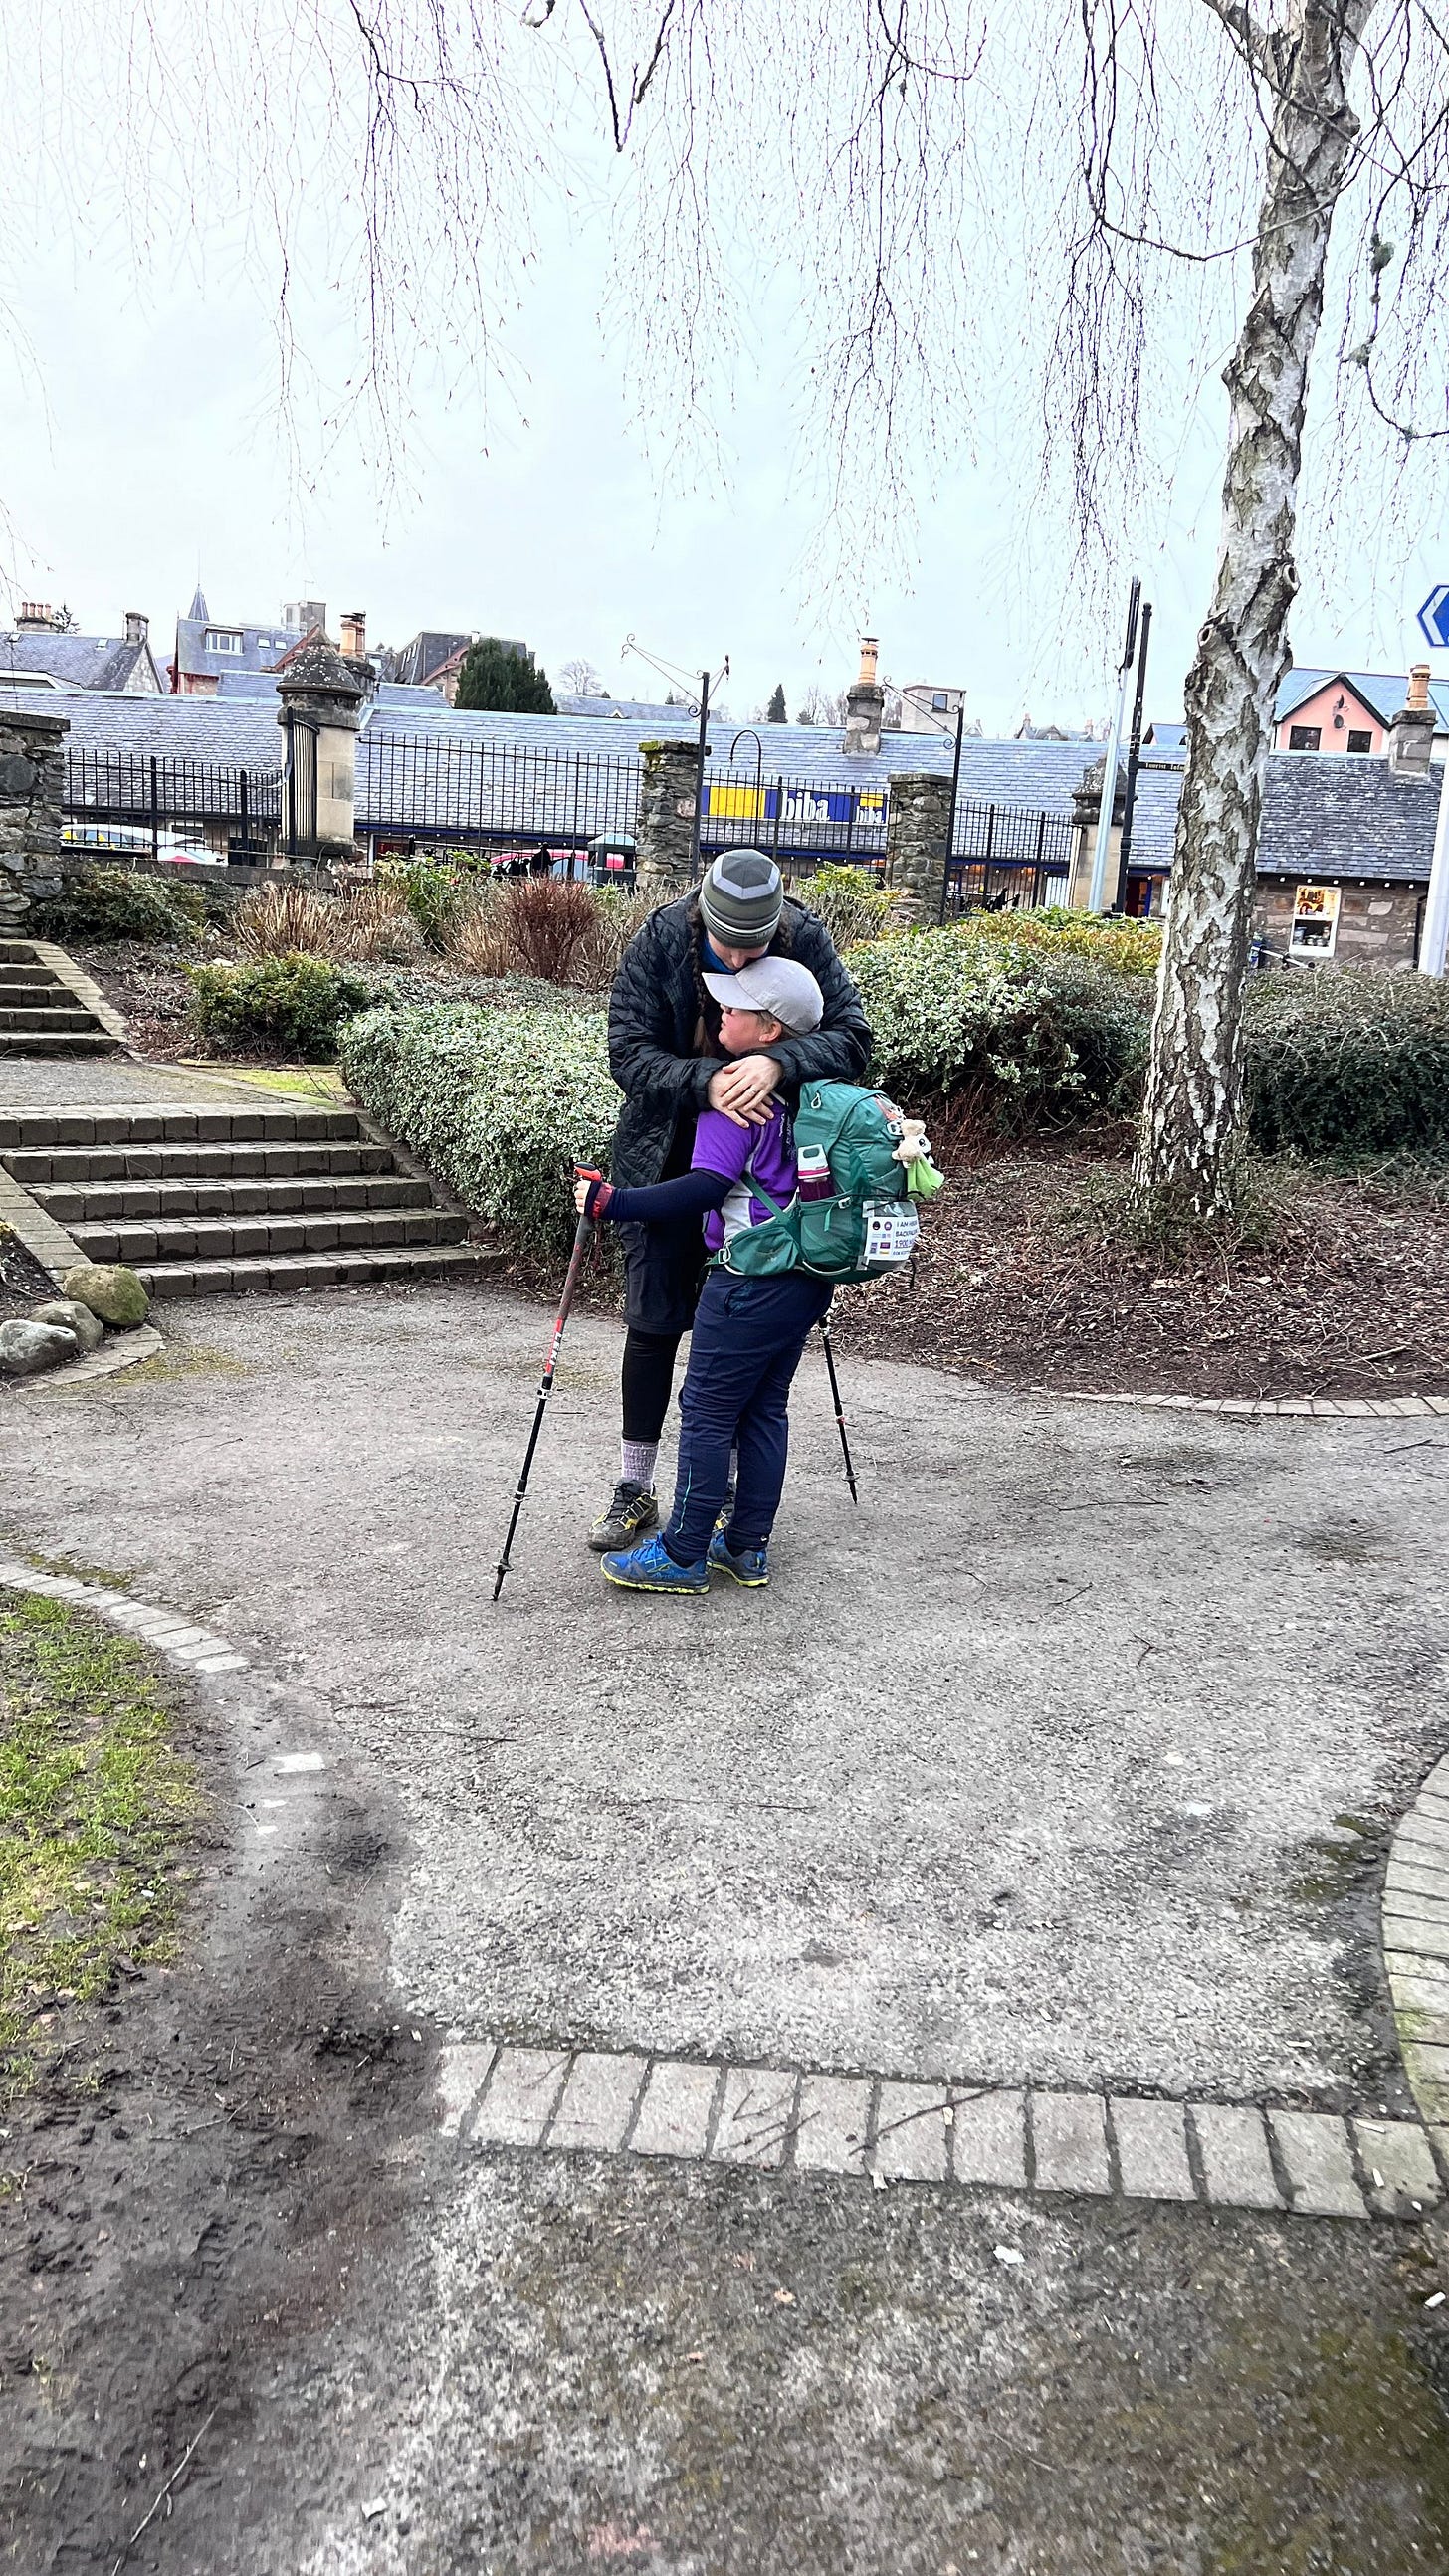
(500, 1104)
(102, 904)
(1340, 1064)
(1056, 1033)
(288, 1005)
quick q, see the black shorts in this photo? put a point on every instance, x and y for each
(664, 1267)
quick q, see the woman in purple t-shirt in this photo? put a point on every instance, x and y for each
(748, 1333)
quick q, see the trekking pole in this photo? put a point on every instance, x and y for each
(582, 1232)
(835, 1399)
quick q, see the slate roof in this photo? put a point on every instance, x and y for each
(1337, 816)
(83, 661)
(1382, 691)
(263, 642)
(240, 731)
(622, 710)
(1038, 775)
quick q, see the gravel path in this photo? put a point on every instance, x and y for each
(1070, 1757)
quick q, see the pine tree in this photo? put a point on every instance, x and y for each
(496, 677)
(775, 711)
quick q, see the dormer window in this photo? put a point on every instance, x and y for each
(222, 639)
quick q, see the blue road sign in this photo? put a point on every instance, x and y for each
(1434, 618)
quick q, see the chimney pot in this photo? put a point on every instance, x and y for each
(354, 632)
(869, 655)
(1411, 731)
(138, 627)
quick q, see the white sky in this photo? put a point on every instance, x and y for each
(140, 448)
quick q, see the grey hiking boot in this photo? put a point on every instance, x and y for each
(632, 1511)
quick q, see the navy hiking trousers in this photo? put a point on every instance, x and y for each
(746, 1346)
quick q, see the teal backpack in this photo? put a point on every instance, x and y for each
(868, 1225)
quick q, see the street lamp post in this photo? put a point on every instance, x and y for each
(1114, 745)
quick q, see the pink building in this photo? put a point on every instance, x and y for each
(1349, 712)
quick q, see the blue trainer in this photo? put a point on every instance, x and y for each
(748, 1565)
(651, 1568)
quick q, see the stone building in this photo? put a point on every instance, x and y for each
(49, 658)
(1345, 849)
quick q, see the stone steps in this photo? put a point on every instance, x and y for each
(253, 1160)
(89, 1041)
(42, 1014)
(46, 1021)
(227, 1238)
(102, 1202)
(215, 1202)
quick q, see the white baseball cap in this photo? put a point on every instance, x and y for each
(778, 985)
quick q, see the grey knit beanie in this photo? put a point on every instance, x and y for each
(741, 899)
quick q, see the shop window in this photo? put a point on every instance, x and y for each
(1315, 924)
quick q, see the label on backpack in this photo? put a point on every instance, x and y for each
(891, 1229)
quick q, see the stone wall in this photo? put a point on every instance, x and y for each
(1378, 925)
(918, 823)
(32, 783)
(665, 829)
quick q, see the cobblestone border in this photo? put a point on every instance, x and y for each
(120, 1350)
(1416, 1942)
(47, 1242)
(493, 2093)
(178, 1638)
(88, 993)
(1319, 1407)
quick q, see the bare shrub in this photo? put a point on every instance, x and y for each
(286, 920)
(376, 921)
(617, 917)
(537, 926)
(473, 938)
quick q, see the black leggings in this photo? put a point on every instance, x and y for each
(648, 1377)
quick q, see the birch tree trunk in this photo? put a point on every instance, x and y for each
(1187, 1150)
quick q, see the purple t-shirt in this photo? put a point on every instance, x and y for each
(769, 1153)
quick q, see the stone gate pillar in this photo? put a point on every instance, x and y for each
(32, 785)
(321, 699)
(918, 824)
(665, 828)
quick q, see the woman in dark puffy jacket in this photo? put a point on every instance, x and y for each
(663, 1053)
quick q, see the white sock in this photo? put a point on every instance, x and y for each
(637, 1460)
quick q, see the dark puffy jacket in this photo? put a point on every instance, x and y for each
(655, 1014)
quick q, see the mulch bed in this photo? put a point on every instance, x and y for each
(1017, 1286)
(23, 1282)
(147, 984)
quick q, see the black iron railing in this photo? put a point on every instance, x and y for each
(1008, 855)
(429, 790)
(218, 808)
(419, 786)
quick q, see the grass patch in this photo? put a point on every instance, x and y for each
(95, 1805)
(313, 1081)
(73, 1569)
